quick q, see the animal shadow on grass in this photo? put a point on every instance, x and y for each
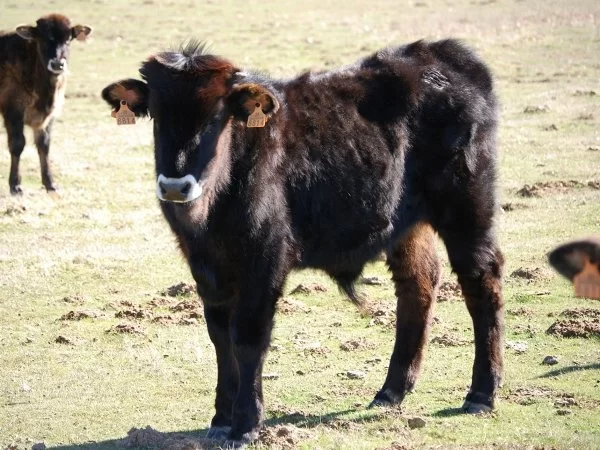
(300, 420)
(570, 369)
(449, 412)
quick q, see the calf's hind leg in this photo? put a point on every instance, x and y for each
(42, 142)
(478, 263)
(415, 270)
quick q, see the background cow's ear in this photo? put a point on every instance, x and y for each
(243, 99)
(26, 32)
(80, 32)
(134, 92)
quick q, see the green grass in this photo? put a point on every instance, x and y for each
(105, 242)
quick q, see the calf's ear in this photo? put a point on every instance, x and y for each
(26, 32)
(134, 92)
(244, 98)
(80, 32)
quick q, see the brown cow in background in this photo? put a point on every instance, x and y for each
(33, 72)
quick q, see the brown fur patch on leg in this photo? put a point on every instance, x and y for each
(415, 269)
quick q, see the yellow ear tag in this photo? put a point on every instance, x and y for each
(257, 119)
(124, 115)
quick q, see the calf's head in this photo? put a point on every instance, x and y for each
(194, 99)
(52, 35)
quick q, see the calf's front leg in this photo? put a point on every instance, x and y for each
(251, 334)
(13, 120)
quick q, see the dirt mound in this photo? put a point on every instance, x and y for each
(179, 289)
(282, 436)
(449, 290)
(581, 313)
(289, 305)
(150, 438)
(276, 437)
(126, 328)
(575, 328)
(308, 289)
(522, 311)
(544, 188)
(530, 274)
(447, 340)
(356, 344)
(80, 315)
(507, 207)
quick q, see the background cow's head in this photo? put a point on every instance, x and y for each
(53, 34)
(194, 99)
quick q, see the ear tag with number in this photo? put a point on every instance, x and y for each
(257, 119)
(124, 115)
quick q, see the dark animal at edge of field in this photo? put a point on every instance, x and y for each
(33, 73)
(382, 154)
(579, 261)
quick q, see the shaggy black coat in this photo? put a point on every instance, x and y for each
(379, 155)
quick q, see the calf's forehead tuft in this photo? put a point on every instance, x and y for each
(56, 24)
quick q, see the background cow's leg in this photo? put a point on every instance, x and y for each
(217, 321)
(415, 268)
(478, 263)
(13, 120)
(42, 142)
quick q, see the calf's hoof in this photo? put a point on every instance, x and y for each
(385, 399)
(16, 190)
(218, 433)
(478, 403)
(246, 439)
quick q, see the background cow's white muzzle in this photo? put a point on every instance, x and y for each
(57, 66)
(178, 190)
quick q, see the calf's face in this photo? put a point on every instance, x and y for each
(193, 103)
(52, 35)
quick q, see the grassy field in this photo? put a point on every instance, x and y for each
(140, 356)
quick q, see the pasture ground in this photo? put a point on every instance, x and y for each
(92, 344)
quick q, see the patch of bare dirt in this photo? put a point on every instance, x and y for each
(580, 93)
(581, 313)
(289, 305)
(372, 281)
(522, 311)
(508, 207)
(575, 328)
(14, 210)
(80, 315)
(381, 314)
(448, 291)
(126, 328)
(66, 340)
(447, 340)
(530, 273)
(151, 438)
(528, 395)
(75, 299)
(356, 344)
(545, 188)
(281, 437)
(308, 289)
(133, 312)
(179, 289)
(536, 109)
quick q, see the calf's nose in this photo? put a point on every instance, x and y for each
(180, 190)
(58, 65)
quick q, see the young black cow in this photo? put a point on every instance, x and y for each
(33, 62)
(378, 155)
